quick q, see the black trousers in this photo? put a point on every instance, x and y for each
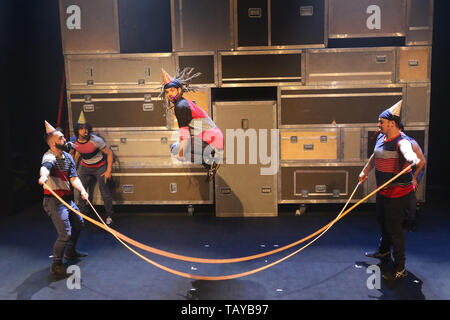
(391, 214)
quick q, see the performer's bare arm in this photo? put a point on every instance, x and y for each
(406, 149)
(418, 151)
(76, 183)
(367, 168)
(109, 160)
(44, 173)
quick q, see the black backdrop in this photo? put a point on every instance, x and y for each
(32, 65)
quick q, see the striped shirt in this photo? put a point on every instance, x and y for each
(193, 121)
(61, 170)
(389, 161)
(90, 151)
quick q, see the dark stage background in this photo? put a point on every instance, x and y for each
(32, 67)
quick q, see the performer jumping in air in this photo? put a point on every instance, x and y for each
(96, 163)
(392, 153)
(201, 141)
(58, 172)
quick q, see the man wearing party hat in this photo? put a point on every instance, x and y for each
(201, 141)
(96, 164)
(58, 172)
(392, 154)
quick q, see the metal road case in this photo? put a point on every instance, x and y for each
(262, 24)
(419, 22)
(144, 26)
(260, 68)
(252, 23)
(416, 110)
(367, 18)
(354, 65)
(414, 64)
(147, 185)
(338, 144)
(341, 105)
(241, 189)
(319, 144)
(202, 25)
(120, 109)
(133, 148)
(318, 182)
(203, 62)
(113, 71)
(89, 26)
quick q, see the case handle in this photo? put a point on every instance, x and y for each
(226, 190)
(254, 13)
(173, 187)
(128, 188)
(306, 11)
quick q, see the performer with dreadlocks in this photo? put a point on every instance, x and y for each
(200, 139)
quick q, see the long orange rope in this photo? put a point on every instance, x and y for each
(230, 260)
(242, 274)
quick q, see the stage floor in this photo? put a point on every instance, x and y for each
(334, 267)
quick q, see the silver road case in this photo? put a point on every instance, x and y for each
(417, 108)
(204, 62)
(367, 18)
(89, 26)
(136, 149)
(260, 68)
(355, 65)
(263, 24)
(117, 110)
(414, 64)
(113, 71)
(318, 182)
(201, 25)
(241, 188)
(419, 22)
(341, 105)
(153, 185)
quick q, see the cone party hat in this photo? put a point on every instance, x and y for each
(48, 127)
(82, 118)
(166, 77)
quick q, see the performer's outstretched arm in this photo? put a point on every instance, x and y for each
(368, 167)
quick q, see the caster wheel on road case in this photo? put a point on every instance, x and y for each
(301, 210)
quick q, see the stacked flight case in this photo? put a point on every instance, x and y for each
(325, 108)
(116, 81)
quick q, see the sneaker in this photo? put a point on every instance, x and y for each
(109, 221)
(58, 269)
(73, 255)
(396, 275)
(213, 170)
